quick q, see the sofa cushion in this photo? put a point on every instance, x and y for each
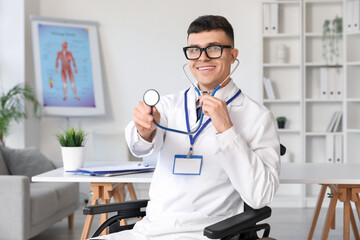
(67, 193)
(43, 202)
(28, 161)
(3, 168)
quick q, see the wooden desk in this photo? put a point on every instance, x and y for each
(344, 183)
(342, 179)
(103, 188)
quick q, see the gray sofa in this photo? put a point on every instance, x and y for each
(28, 208)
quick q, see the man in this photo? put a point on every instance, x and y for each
(239, 148)
(66, 57)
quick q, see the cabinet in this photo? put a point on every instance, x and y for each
(313, 79)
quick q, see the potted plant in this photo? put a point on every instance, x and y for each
(72, 141)
(281, 121)
(12, 107)
(331, 35)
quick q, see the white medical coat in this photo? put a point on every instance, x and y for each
(240, 164)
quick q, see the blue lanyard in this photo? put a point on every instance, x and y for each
(193, 139)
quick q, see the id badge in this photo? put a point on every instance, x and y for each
(184, 165)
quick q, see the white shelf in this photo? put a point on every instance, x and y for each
(280, 101)
(314, 34)
(353, 130)
(283, 2)
(298, 88)
(282, 35)
(323, 65)
(322, 1)
(353, 100)
(288, 131)
(353, 63)
(323, 100)
(284, 65)
(314, 134)
(353, 33)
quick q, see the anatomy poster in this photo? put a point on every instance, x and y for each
(66, 69)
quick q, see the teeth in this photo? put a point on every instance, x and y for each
(205, 68)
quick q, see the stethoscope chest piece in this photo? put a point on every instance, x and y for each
(151, 97)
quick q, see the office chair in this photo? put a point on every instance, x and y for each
(243, 226)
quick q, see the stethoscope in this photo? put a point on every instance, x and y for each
(151, 97)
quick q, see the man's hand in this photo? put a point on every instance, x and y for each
(144, 120)
(216, 109)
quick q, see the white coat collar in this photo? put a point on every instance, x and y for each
(227, 92)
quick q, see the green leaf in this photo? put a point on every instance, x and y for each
(71, 137)
(12, 106)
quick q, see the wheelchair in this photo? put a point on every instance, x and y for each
(243, 226)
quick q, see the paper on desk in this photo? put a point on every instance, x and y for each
(113, 169)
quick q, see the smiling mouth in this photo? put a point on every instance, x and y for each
(206, 68)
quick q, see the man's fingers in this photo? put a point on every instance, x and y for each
(143, 120)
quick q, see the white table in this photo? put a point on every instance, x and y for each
(58, 175)
(344, 182)
(342, 179)
(313, 173)
(103, 188)
(320, 173)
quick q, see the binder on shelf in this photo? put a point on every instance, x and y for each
(356, 15)
(338, 148)
(330, 148)
(337, 125)
(349, 15)
(323, 83)
(266, 18)
(269, 89)
(274, 15)
(332, 83)
(332, 122)
(338, 84)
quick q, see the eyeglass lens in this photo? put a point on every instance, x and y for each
(211, 52)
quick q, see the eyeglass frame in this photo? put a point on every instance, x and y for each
(204, 50)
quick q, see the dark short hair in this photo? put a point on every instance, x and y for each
(211, 22)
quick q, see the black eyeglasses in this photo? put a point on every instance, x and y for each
(211, 51)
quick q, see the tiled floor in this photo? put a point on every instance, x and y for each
(286, 223)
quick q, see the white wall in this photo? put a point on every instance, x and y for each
(141, 47)
(16, 63)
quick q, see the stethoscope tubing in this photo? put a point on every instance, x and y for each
(197, 90)
(199, 93)
(183, 132)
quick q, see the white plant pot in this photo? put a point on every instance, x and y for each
(73, 157)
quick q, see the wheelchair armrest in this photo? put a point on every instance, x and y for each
(237, 223)
(115, 207)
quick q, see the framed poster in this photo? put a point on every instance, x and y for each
(67, 64)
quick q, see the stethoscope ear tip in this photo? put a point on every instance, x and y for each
(151, 97)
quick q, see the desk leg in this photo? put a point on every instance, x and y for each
(131, 189)
(104, 192)
(347, 215)
(330, 215)
(88, 222)
(119, 197)
(122, 192)
(317, 210)
(356, 200)
(71, 221)
(104, 217)
(353, 224)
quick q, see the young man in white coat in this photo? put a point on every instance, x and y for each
(238, 149)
